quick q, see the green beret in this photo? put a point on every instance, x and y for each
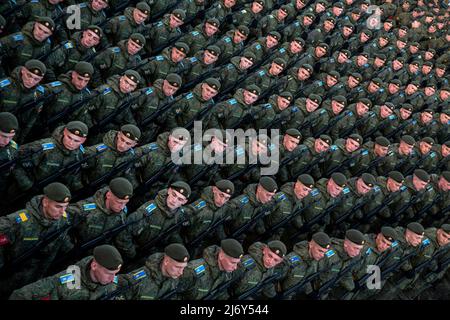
(277, 247)
(307, 67)
(446, 228)
(382, 141)
(310, 15)
(46, 21)
(225, 186)
(325, 138)
(340, 99)
(280, 61)
(285, 8)
(181, 187)
(261, 2)
(36, 67)
(334, 74)
(338, 5)
(177, 252)
(322, 239)
(244, 30)
(58, 192)
(268, 184)
(299, 40)
(294, 133)
(356, 137)
(138, 38)
(121, 188)
(108, 257)
(144, 7)
(348, 24)
(407, 106)
(431, 111)
(183, 47)
(96, 29)
(355, 236)
(396, 82)
(441, 66)
(390, 105)
(400, 59)
(422, 175)
(131, 131)
(408, 140)
(214, 22)
(416, 227)
(339, 179)
(380, 56)
(133, 76)
(8, 122)
(357, 76)
(428, 140)
(377, 81)
(446, 175)
(315, 98)
(78, 128)
(84, 69)
(306, 180)
(174, 80)
(232, 248)
(389, 233)
(287, 95)
(368, 179)
(323, 45)
(250, 56)
(213, 83)
(367, 32)
(366, 102)
(253, 88)
(180, 14)
(275, 34)
(396, 176)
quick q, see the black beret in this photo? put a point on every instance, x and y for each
(428, 140)
(339, 179)
(214, 50)
(133, 76)
(78, 128)
(225, 186)
(144, 7)
(390, 105)
(340, 99)
(275, 34)
(250, 56)
(244, 30)
(46, 21)
(8, 122)
(322, 239)
(310, 15)
(348, 24)
(338, 5)
(377, 81)
(285, 8)
(138, 38)
(446, 143)
(408, 139)
(357, 76)
(179, 13)
(407, 106)
(315, 98)
(286, 95)
(280, 61)
(389, 233)
(108, 257)
(253, 88)
(441, 66)
(400, 59)
(299, 40)
(36, 67)
(416, 227)
(58, 192)
(380, 56)
(131, 131)
(84, 69)
(177, 252)
(121, 188)
(356, 137)
(396, 176)
(422, 175)
(182, 187)
(431, 111)
(183, 47)
(294, 133)
(446, 228)
(95, 29)
(277, 247)
(396, 82)
(307, 67)
(334, 74)
(325, 139)
(367, 32)
(366, 102)
(446, 175)
(323, 45)
(368, 179)
(213, 83)
(355, 236)
(174, 80)
(306, 180)
(382, 141)
(232, 248)
(213, 21)
(268, 184)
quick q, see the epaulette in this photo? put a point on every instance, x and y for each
(148, 91)
(189, 96)
(376, 189)
(200, 270)
(282, 50)
(333, 147)
(153, 146)
(195, 33)
(329, 253)
(345, 190)
(394, 244)
(403, 188)
(227, 39)
(232, 101)
(248, 263)
(139, 275)
(48, 146)
(121, 18)
(244, 201)
(294, 260)
(159, 58)
(261, 72)
(193, 59)
(101, 147)
(159, 24)
(281, 197)
(392, 117)
(425, 243)
(89, 206)
(5, 82)
(200, 205)
(258, 46)
(83, 5)
(150, 208)
(18, 37)
(55, 84)
(368, 251)
(106, 91)
(432, 154)
(115, 49)
(81, 148)
(22, 217)
(14, 144)
(267, 106)
(40, 89)
(364, 152)
(66, 278)
(315, 192)
(68, 45)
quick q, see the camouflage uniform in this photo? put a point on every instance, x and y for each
(161, 34)
(122, 27)
(198, 40)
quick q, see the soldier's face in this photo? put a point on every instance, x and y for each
(220, 198)
(383, 42)
(79, 81)
(337, 107)
(316, 251)
(385, 111)
(307, 21)
(351, 145)
(208, 92)
(256, 7)
(442, 237)
(393, 185)
(173, 268)
(177, 55)
(168, 89)
(402, 33)
(361, 60)
(245, 63)
(301, 191)
(320, 52)
(413, 68)
(123, 143)
(405, 148)
(271, 41)
(98, 5)
(397, 65)
(361, 108)
(393, 88)
(281, 15)
(419, 184)
(29, 79)
(210, 29)
(362, 187)
(218, 146)
(139, 16)
(175, 199)
(331, 81)
(238, 37)
(41, 32)
(229, 3)
(114, 203)
(387, 26)
(174, 22)
(352, 249)
(426, 69)
(378, 62)
(275, 69)
(303, 74)
(413, 238)
(270, 258)
(426, 117)
(5, 138)
(382, 243)
(282, 103)
(445, 150)
(263, 195)
(290, 143)
(53, 210)
(444, 94)
(320, 145)
(311, 106)
(337, 11)
(133, 47)
(295, 47)
(347, 31)
(175, 144)
(401, 44)
(249, 97)
(320, 8)
(428, 55)
(102, 275)
(227, 263)
(342, 58)
(126, 85)
(89, 39)
(258, 148)
(405, 113)
(328, 25)
(364, 37)
(333, 189)
(209, 58)
(299, 4)
(352, 82)
(444, 118)
(373, 87)
(72, 141)
(425, 147)
(413, 49)
(410, 89)
(381, 151)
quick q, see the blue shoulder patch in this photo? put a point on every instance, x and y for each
(281, 197)
(368, 251)
(83, 5)
(364, 152)
(376, 189)
(333, 147)
(240, 151)
(193, 59)
(139, 275)
(294, 259)
(81, 148)
(392, 117)
(66, 278)
(122, 18)
(232, 101)
(345, 190)
(18, 37)
(5, 82)
(101, 147)
(329, 253)
(68, 45)
(115, 49)
(48, 146)
(200, 205)
(153, 146)
(282, 50)
(89, 206)
(150, 208)
(244, 200)
(227, 39)
(294, 109)
(106, 91)
(55, 84)
(189, 96)
(258, 46)
(394, 244)
(199, 270)
(159, 24)
(40, 89)
(248, 262)
(159, 58)
(315, 192)
(149, 91)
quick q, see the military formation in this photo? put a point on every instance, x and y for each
(94, 206)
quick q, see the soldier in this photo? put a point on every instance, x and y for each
(97, 279)
(211, 275)
(133, 21)
(402, 158)
(201, 64)
(159, 277)
(192, 8)
(297, 79)
(390, 122)
(202, 36)
(156, 222)
(282, 114)
(299, 28)
(377, 153)
(232, 43)
(267, 78)
(357, 119)
(251, 13)
(427, 159)
(8, 150)
(323, 33)
(315, 56)
(92, 12)
(443, 152)
(288, 151)
(261, 263)
(235, 71)
(165, 31)
(423, 124)
(220, 10)
(443, 133)
(273, 21)
(24, 231)
(81, 47)
(33, 42)
(264, 47)
(328, 120)
(46, 160)
(291, 51)
(116, 60)
(341, 36)
(22, 95)
(440, 211)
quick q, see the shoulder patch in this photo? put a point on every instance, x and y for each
(83, 5)
(149, 91)
(244, 200)
(394, 244)
(68, 45)
(315, 192)
(282, 50)
(199, 270)
(101, 147)
(195, 33)
(22, 217)
(281, 197)
(150, 208)
(81, 148)
(261, 73)
(5, 82)
(333, 147)
(106, 91)
(294, 259)
(364, 152)
(40, 89)
(48, 146)
(227, 39)
(258, 46)
(153, 146)
(66, 278)
(189, 96)
(345, 190)
(329, 253)
(426, 242)
(14, 144)
(376, 189)
(248, 263)
(232, 101)
(55, 84)
(240, 151)
(193, 59)
(115, 49)
(89, 206)
(122, 18)
(200, 204)
(18, 37)
(368, 251)
(139, 275)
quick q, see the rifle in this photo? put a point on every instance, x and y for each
(353, 209)
(159, 111)
(331, 124)
(200, 175)
(199, 116)
(259, 287)
(421, 212)
(367, 217)
(417, 165)
(399, 128)
(30, 104)
(372, 164)
(298, 285)
(356, 125)
(142, 188)
(344, 163)
(221, 288)
(9, 163)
